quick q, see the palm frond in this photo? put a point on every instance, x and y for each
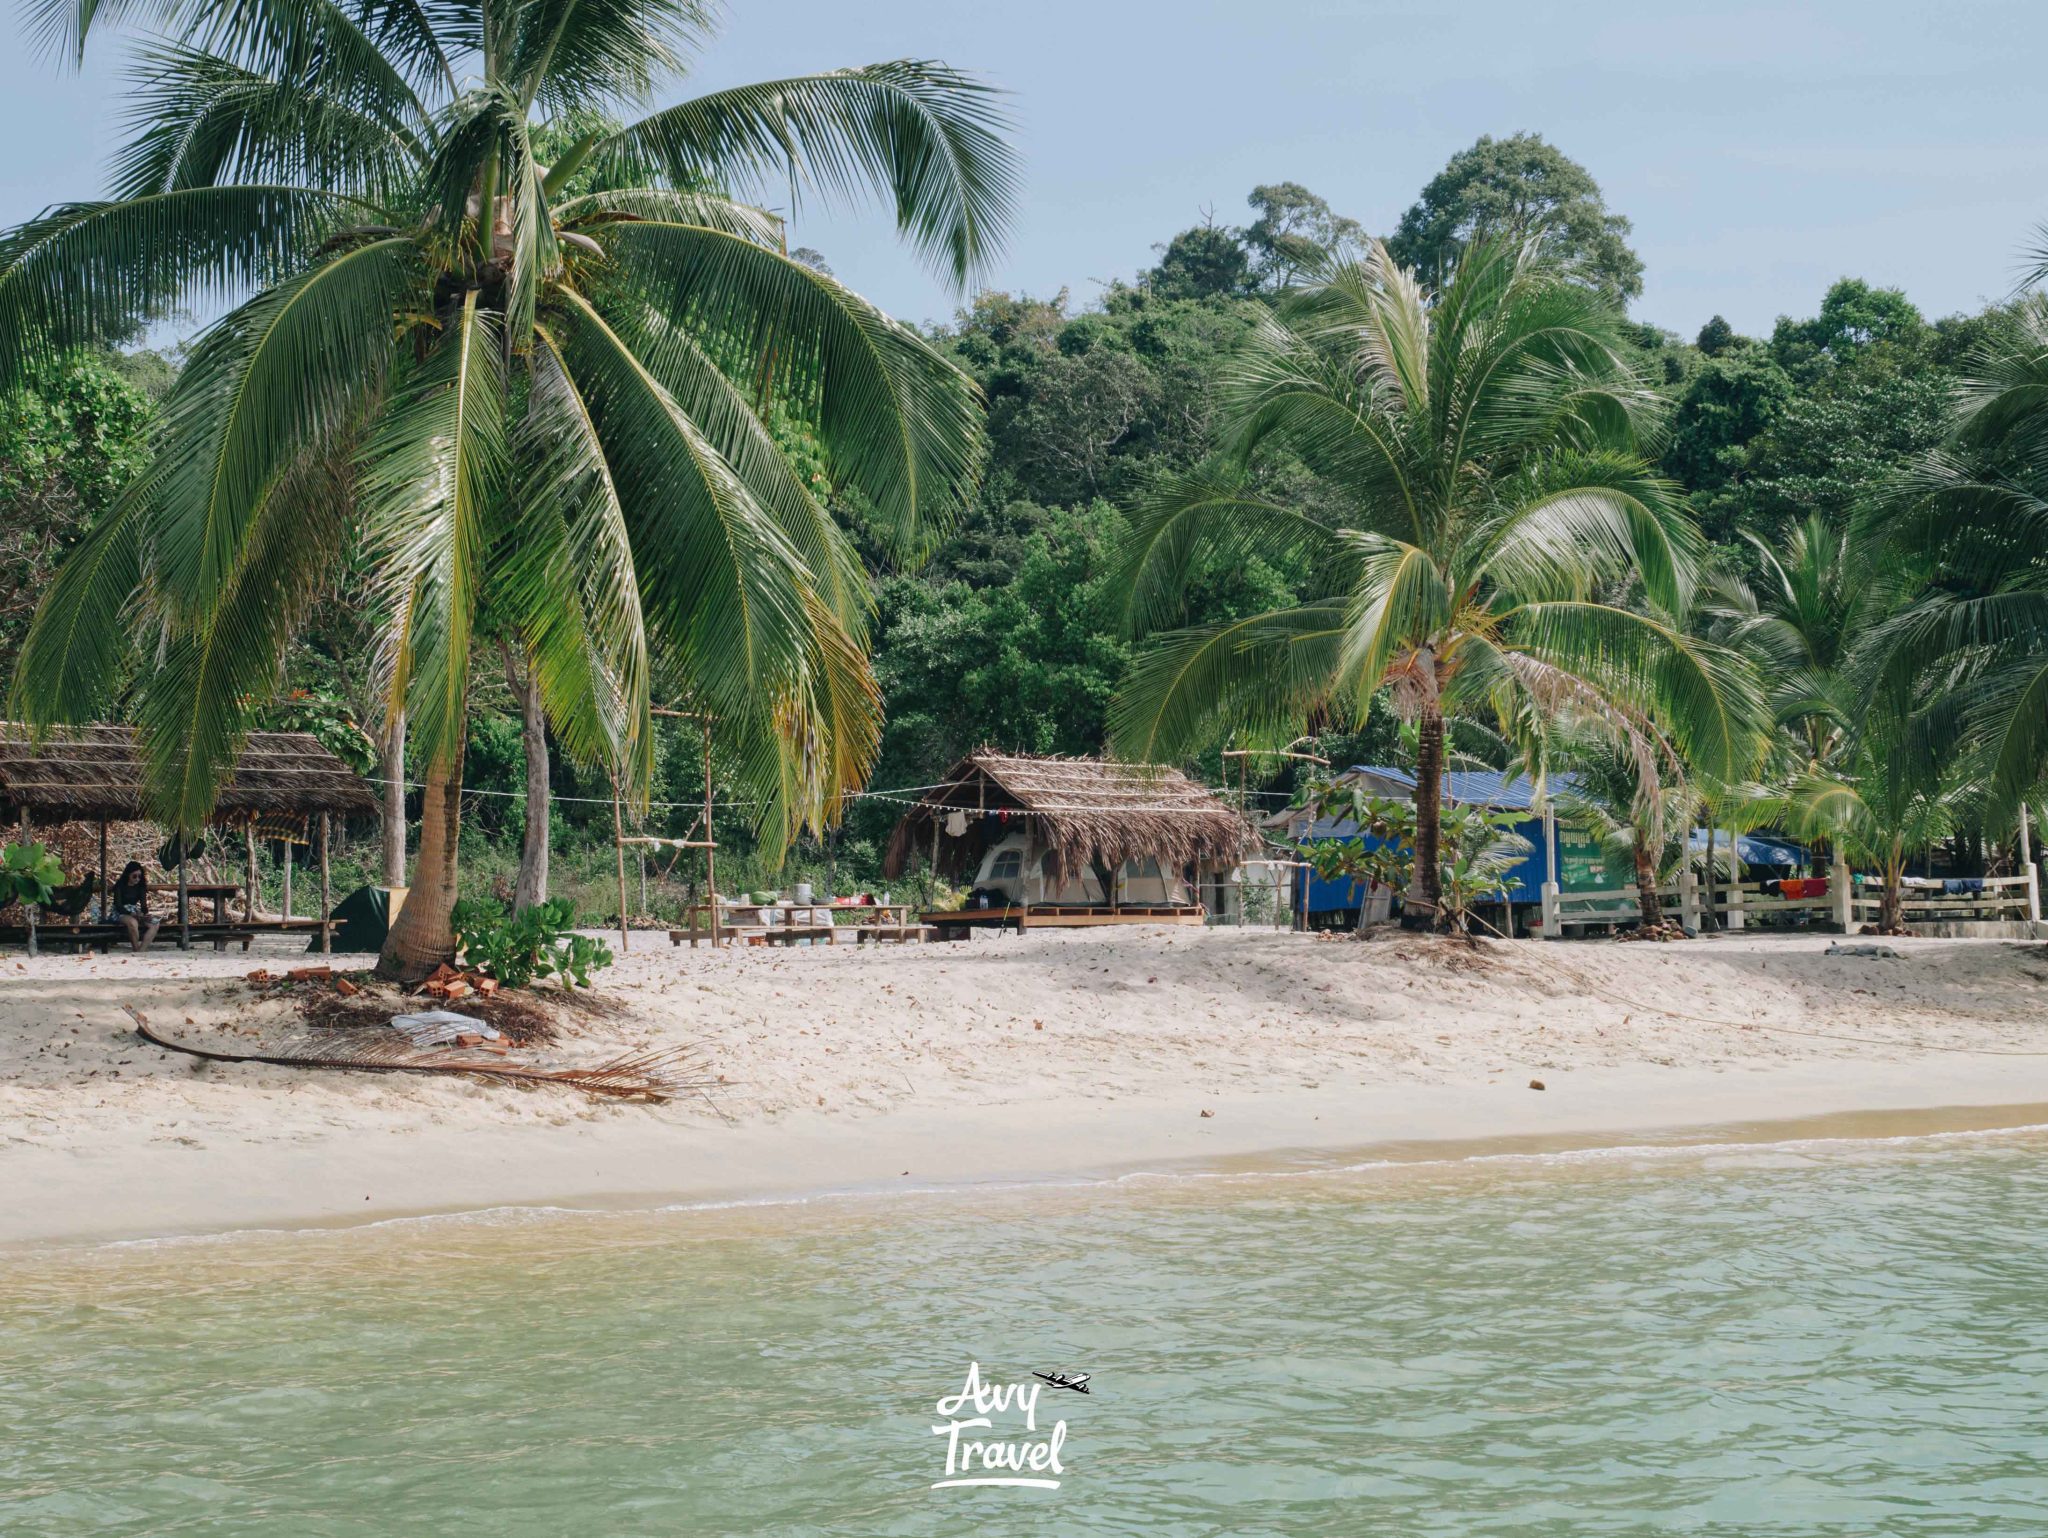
(93, 273)
(898, 423)
(926, 136)
(431, 478)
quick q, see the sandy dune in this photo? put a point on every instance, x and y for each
(1056, 1053)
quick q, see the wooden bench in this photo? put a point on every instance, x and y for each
(899, 934)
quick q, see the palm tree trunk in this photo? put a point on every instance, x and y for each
(1891, 907)
(1424, 907)
(424, 935)
(532, 884)
(1648, 905)
(391, 771)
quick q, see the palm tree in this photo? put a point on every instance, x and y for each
(1484, 519)
(1970, 524)
(538, 380)
(1627, 812)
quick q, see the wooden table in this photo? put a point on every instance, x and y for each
(222, 893)
(881, 921)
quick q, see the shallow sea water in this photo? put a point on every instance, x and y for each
(1797, 1339)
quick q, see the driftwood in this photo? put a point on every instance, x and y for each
(658, 1074)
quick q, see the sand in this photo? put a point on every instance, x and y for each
(1057, 1055)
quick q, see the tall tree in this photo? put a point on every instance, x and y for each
(1518, 188)
(1486, 503)
(548, 395)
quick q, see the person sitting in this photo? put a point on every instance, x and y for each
(129, 904)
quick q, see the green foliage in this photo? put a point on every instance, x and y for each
(1517, 188)
(1206, 262)
(1480, 848)
(29, 873)
(517, 948)
(72, 437)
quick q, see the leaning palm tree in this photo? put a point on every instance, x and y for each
(1486, 532)
(535, 378)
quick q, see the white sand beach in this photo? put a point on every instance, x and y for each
(1052, 1056)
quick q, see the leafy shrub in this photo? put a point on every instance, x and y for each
(517, 948)
(29, 873)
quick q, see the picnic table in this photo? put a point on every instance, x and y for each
(739, 921)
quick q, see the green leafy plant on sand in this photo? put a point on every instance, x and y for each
(1479, 849)
(515, 948)
(29, 874)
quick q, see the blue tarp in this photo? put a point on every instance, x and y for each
(1753, 849)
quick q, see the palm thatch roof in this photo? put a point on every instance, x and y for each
(97, 771)
(1083, 812)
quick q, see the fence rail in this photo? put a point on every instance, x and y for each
(1734, 903)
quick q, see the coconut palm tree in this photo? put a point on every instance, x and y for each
(1970, 523)
(1486, 532)
(536, 378)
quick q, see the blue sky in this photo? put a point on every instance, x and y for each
(1761, 150)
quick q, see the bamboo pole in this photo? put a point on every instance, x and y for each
(249, 878)
(326, 895)
(28, 909)
(289, 862)
(619, 855)
(184, 897)
(104, 899)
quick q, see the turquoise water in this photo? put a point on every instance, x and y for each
(1801, 1339)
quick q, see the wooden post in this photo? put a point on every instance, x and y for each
(184, 899)
(105, 913)
(710, 841)
(326, 897)
(2027, 865)
(28, 909)
(249, 890)
(1552, 907)
(619, 855)
(933, 899)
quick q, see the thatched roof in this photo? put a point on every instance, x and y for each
(1083, 811)
(96, 771)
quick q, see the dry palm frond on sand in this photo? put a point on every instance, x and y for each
(662, 1073)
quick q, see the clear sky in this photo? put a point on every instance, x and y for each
(1761, 150)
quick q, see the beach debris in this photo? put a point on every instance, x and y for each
(438, 1027)
(309, 974)
(1883, 952)
(1207, 1114)
(1536, 1084)
(345, 988)
(657, 1074)
(260, 976)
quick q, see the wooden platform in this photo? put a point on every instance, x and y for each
(220, 935)
(957, 924)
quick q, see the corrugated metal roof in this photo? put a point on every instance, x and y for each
(1477, 787)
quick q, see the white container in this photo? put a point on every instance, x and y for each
(803, 894)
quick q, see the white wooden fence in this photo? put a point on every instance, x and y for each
(2001, 898)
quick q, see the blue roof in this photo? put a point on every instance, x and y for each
(1480, 787)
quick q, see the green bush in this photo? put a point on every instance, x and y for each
(29, 873)
(517, 948)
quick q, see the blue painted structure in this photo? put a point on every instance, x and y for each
(1462, 787)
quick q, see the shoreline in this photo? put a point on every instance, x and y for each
(1076, 1056)
(635, 1168)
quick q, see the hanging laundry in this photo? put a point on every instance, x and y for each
(956, 824)
(1963, 886)
(1816, 886)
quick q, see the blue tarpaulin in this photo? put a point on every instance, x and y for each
(1751, 848)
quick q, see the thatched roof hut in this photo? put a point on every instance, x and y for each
(1083, 811)
(92, 772)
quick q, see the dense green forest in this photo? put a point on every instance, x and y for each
(1007, 633)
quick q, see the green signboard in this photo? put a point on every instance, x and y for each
(1585, 865)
